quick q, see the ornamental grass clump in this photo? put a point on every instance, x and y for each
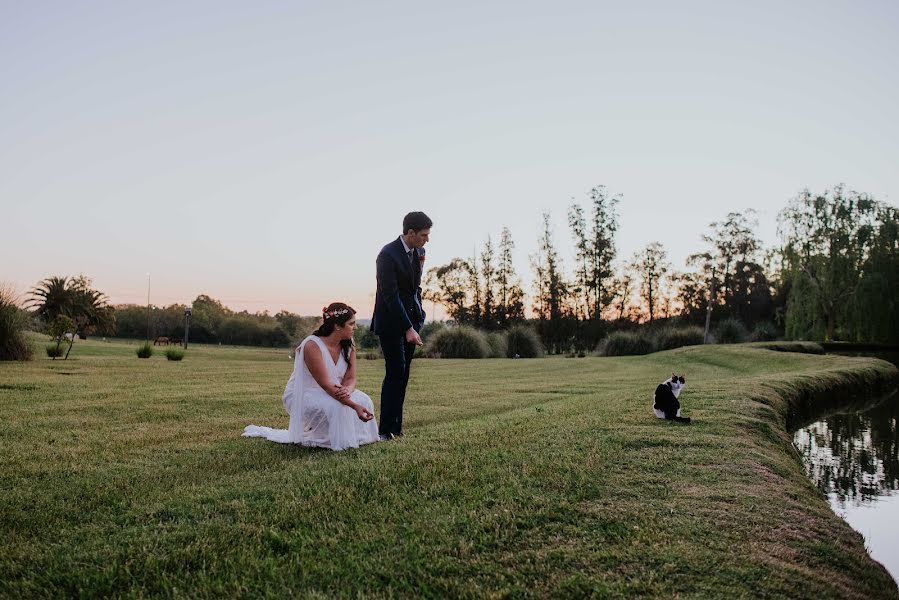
(429, 329)
(145, 350)
(13, 344)
(174, 353)
(730, 331)
(676, 337)
(523, 342)
(627, 343)
(498, 344)
(459, 342)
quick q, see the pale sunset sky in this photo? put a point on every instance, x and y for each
(263, 152)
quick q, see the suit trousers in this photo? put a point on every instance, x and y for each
(398, 362)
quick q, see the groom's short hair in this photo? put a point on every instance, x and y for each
(416, 221)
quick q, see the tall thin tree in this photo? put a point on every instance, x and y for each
(651, 264)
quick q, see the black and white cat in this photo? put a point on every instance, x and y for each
(665, 403)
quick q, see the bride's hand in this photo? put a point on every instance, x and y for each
(340, 392)
(364, 414)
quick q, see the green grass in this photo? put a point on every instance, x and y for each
(532, 478)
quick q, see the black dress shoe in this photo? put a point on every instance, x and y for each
(385, 437)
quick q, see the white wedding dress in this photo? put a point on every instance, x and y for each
(316, 418)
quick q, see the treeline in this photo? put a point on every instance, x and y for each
(213, 323)
(834, 276)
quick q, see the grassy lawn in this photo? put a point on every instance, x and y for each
(521, 478)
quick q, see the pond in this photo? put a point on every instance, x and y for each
(853, 458)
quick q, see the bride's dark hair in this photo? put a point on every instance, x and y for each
(336, 313)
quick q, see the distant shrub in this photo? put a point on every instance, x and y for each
(764, 332)
(430, 328)
(365, 338)
(13, 344)
(676, 337)
(498, 344)
(523, 342)
(174, 353)
(459, 342)
(730, 331)
(145, 350)
(627, 343)
(54, 350)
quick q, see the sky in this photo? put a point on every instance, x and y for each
(263, 152)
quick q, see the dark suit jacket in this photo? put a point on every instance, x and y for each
(398, 303)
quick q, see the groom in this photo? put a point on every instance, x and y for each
(399, 315)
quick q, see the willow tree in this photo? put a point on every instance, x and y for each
(876, 305)
(826, 240)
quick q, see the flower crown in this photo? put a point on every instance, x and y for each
(337, 312)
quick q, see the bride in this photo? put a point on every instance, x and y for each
(325, 408)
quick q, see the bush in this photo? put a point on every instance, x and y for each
(764, 332)
(627, 343)
(676, 337)
(54, 350)
(365, 338)
(459, 342)
(730, 331)
(523, 342)
(174, 353)
(498, 344)
(145, 350)
(13, 344)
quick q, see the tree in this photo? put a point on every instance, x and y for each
(73, 297)
(451, 284)
(876, 304)
(731, 242)
(622, 289)
(826, 240)
(488, 273)
(651, 264)
(474, 287)
(549, 281)
(750, 294)
(557, 323)
(692, 295)
(594, 251)
(60, 328)
(510, 306)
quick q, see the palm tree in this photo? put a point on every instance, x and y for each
(52, 297)
(72, 297)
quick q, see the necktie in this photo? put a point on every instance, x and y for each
(411, 254)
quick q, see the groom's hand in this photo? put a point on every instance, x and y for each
(412, 337)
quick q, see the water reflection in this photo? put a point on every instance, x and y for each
(853, 458)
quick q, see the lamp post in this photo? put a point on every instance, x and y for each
(187, 311)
